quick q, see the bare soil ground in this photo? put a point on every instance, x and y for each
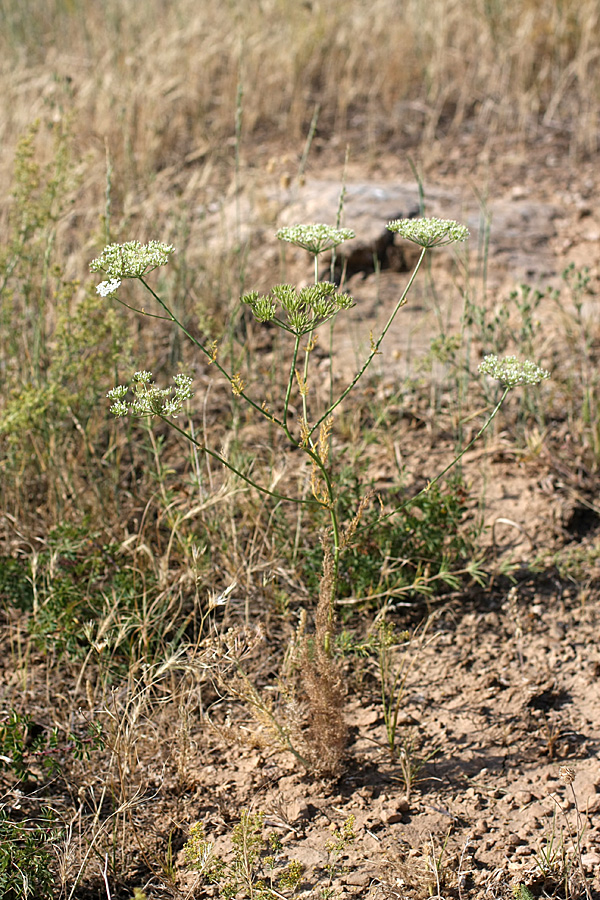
(505, 692)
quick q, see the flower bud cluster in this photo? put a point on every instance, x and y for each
(512, 372)
(148, 400)
(304, 309)
(429, 232)
(315, 238)
(131, 260)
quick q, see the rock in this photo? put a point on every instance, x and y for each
(521, 229)
(358, 879)
(391, 816)
(297, 809)
(367, 209)
(591, 804)
(514, 840)
(368, 716)
(590, 860)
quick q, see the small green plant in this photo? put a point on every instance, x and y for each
(392, 678)
(24, 747)
(435, 867)
(567, 776)
(559, 867)
(26, 857)
(427, 547)
(522, 892)
(551, 857)
(342, 839)
(411, 761)
(15, 583)
(58, 349)
(254, 871)
(302, 416)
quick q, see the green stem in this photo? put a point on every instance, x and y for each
(376, 345)
(288, 392)
(335, 523)
(210, 356)
(246, 478)
(450, 465)
(142, 312)
(469, 445)
(307, 352)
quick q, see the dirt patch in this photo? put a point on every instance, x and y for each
(503, 692)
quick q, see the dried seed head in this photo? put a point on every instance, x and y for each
(566, 774)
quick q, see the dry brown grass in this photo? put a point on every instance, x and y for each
(154, 93)
(159, 83)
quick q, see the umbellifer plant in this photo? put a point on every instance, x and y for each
(299, 313)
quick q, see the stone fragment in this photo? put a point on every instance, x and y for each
(590, 860)
(523, 798)
(358, 879)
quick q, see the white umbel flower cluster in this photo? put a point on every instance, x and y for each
(148, 400)
(315, 238)
(512, 372)
(131, 260)
(429, 232)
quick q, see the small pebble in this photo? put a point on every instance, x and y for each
(358, 879)
(514, 840)
(391, 816)
(523, 798)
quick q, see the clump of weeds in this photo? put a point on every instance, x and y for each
(305, 418)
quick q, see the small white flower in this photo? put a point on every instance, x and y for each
(183, 387)
(512, 372)
(118, 392)
(119, 409)
(150, 400)
(108, 287)
(171, 407)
